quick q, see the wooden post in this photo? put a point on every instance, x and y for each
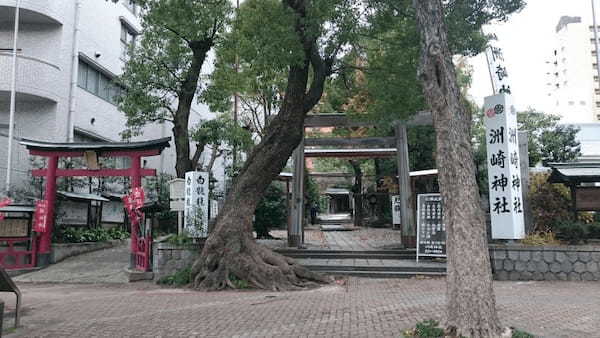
(404, 188)
(295, 236)
(524, 157)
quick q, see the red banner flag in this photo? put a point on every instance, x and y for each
(133, 202)
(41, 216)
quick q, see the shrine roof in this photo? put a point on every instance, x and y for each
(574, 173)
(79, 196)
(18, 208)
(160, 144)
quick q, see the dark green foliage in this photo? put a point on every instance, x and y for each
(521, 334)
(594, 230)
(82, 235)
(560, 145)
(421, 148)
(270, 212)
(157, 189)
(571, 232)
(239, 283)
(426, 329)
(179, 278)
(180, 240)
(550, 203)
(548, 141)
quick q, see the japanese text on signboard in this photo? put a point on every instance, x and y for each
(431, 230)
(504, 172)
(196, 204)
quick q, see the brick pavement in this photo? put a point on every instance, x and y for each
(360, 308)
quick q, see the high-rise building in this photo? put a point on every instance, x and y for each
(68, 52)
(573, 75)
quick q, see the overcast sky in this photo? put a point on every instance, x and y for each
(527, 41)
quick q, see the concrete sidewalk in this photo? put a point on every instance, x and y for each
(356, 308)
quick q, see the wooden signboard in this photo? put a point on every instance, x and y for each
(14, 227)
(431, 230)
(587, 198)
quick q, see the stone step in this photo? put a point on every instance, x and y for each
(384, 274)
(367, 268)
(350, 256)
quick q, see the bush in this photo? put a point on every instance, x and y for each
(270, 212)
(180, 239)
(426, 329)
(594, 230)
(550, 203)
(179, 278)
(81, 235)
(540, 238)
(572, 232)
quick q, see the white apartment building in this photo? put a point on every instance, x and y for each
(573, 74)
(68, 52)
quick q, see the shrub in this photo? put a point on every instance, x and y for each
(180, 239)
(270, 212)
(550, 203)
(81, 235)
(594, 230)
(426, 329)
(572, 232)
(179, 278)
(540, 238)
(521, 334)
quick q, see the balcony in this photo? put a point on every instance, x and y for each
(34, 11)
(35, 78)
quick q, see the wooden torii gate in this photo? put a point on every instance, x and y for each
(92, 151)
(378, 147)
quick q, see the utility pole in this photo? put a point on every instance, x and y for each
(13, 96)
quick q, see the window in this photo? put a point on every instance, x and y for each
(571, 103)
(131, 6)
(598, 117)
(597, 104)
(594, 53)
(97, 82)
(127, 41)
(582, 103)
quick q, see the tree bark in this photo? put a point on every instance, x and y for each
(231, 253)
(182, 114)
(471, 304)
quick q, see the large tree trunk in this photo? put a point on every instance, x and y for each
(181, 119)
(471, 304)
(231, 253)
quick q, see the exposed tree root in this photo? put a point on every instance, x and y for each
(259, 267)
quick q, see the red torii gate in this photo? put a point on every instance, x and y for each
(53, 151)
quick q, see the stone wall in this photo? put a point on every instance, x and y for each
(521, 262)
(170, 258)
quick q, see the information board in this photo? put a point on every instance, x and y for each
(196, 204)
(396, 208)
(431, 230)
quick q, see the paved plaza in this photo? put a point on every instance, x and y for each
(354, 307)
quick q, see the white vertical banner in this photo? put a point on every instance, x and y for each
(504, 172)
(196, 204)
(396, 210)
(498, 72)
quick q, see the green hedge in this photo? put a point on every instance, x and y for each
(81, 235)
